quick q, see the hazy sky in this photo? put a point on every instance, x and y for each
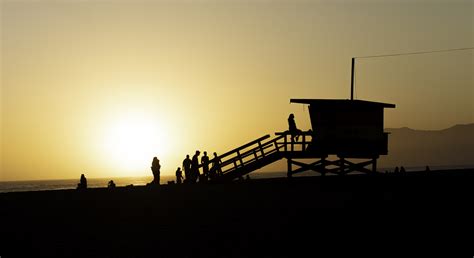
(100, 87)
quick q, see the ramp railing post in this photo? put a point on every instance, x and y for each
(261, 148)
(240, 158)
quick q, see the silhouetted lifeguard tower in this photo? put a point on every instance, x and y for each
(348, 129)
(352, 131)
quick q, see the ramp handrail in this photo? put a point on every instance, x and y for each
(260, 149)
(244, 146)
(246, 154)
(237, 150)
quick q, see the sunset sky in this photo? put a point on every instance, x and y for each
(100, 87)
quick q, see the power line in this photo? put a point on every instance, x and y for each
(353, 82)
(418, 53)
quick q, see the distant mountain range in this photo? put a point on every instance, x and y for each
(417, 148)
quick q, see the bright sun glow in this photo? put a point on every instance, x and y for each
(132, 140)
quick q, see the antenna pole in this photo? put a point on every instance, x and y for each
(352, 78)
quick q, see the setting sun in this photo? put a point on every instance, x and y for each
(131, 141)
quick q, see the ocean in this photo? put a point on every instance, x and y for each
(44, 185)
(58, 184)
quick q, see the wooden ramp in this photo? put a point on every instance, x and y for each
(248, 158)
(266, 150)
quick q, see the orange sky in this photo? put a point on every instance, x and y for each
(100, 87)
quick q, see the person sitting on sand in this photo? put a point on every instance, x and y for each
(155, 168)
(294, 131)
(111, 184)
(82, 182)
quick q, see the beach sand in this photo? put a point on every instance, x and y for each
(258, 218)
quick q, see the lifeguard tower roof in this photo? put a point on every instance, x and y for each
(342, 103)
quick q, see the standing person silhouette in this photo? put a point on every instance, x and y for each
(294, 131)
(187, 169)
(155, 168)
(205, 164)
(195, 167)
(216, 165)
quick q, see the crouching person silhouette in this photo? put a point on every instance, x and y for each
(179, 176)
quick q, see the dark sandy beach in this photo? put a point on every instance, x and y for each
(261, 218)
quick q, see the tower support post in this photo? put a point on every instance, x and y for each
(341, 166)
(374, 165)
(289, 169)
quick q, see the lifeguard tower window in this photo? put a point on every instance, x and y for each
(347, 128)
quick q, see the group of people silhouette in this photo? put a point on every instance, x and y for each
(401, 170)
(191, 167)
